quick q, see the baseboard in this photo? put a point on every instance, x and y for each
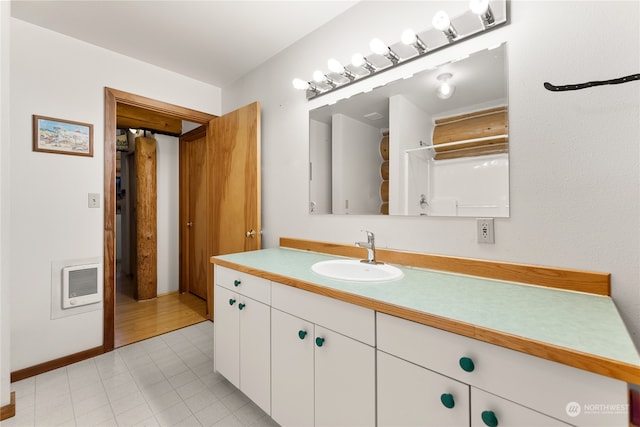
(8, 411)
(55, 364)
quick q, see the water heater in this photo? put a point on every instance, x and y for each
(81, 285)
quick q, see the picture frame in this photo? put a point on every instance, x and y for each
(51, 135)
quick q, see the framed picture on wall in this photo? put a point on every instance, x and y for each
(62, 136)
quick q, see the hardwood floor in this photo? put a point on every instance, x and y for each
(136, 321)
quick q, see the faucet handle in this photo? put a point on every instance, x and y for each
(370, 234)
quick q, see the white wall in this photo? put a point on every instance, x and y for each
(57, 76)
(167, 216)
(5, 292)
(320, 159)
(408, 126)
(355, 146)
(574, 156)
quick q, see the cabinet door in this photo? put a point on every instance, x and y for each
(226, 347)
(488, 410)
(344, 380)
(255, 351)
(410, 395)
(291, 370)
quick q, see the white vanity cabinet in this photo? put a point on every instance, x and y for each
(323, 360)
(538, 390)
(410, 395)
(488, 410)
(242, 338)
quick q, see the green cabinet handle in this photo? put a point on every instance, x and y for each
(302, 334)
(241, 306)
(447, 400)
(489, 418)
(232, 301)
(236, 283)
(467, 364)
(319, 341)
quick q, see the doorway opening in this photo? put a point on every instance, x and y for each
(121, 310)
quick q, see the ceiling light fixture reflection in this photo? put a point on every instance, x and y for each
(445, 89)
(410, 38)
(483, 10)
(379, 47)
(336, 67)
(442, 22)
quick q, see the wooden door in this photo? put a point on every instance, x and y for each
(234, 184)
(194, 216)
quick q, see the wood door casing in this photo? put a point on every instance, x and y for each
(194, 217)
(113, 98)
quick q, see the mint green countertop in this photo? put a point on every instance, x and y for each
(573, 320)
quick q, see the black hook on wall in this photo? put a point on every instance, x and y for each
(563, 88)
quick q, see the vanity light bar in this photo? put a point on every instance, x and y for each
(341, 76)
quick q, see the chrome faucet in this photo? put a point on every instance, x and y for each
(370, 244)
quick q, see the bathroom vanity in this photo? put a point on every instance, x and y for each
(436, 347)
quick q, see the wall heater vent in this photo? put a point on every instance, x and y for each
(80, 285)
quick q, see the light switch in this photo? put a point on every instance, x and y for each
(94, 200)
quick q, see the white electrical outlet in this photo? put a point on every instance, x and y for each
(485, 230)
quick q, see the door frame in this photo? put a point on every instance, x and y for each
(113, 97)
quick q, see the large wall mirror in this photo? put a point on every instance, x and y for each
(435, 144)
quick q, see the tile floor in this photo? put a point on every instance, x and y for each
(167, 380)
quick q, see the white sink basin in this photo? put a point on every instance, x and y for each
(354, 270)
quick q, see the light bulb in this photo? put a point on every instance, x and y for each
(408, 37)
(445, 89)
(441, 21)
(335, 66)
(378, 46)
(300, 84)
(479, 6)
(318, 76)
(357, 60)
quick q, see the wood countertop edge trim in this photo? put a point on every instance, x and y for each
(558, 278)
(584, 361)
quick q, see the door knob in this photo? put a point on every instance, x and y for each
(190, 224)
(251, 233)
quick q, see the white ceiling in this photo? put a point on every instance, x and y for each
(213, 41)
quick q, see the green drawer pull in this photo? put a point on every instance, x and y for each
(319, 341)
(447, 400)
(467, 364)
(302, 334)
(232, 301)
(236, 283)
(489, 418)
(241, 306)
